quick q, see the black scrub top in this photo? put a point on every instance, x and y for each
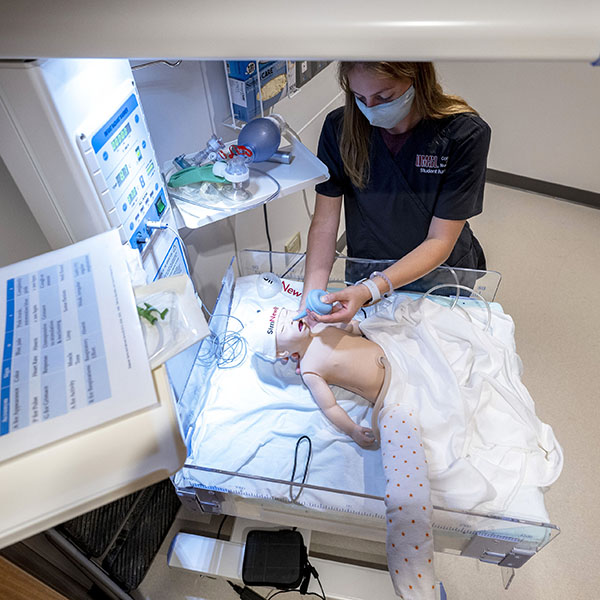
(438, 172)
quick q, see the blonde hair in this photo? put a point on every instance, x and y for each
(430, 102)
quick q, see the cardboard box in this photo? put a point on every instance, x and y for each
(304, 72)
(245, 93)
(320, 65)
(244, 69)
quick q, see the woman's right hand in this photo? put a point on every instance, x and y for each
(347, 303)
(309, 318)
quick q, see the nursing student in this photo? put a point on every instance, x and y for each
(408, 161)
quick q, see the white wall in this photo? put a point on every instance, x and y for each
(20, 235)
(544, 116)
(179, 114)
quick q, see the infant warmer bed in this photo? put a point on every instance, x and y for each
(244, 426)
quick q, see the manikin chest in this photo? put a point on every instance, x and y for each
(348, 361)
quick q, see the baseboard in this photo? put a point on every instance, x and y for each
(563, 192)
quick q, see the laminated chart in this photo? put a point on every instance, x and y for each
(73, 355)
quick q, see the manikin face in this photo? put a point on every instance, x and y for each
(290, 334)
(373, 89)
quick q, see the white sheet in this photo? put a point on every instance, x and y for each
(483, 440)
(253, 415)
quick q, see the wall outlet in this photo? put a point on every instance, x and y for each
(294, 243)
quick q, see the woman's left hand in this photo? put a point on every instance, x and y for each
(349, 302)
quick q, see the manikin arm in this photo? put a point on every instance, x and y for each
(324, 397)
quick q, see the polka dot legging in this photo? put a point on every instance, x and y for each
(408, 505)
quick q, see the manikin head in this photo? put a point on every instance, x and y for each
(291, 336)
(274, 334)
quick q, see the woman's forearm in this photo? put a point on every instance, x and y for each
(426, 257)
(320, 255)
(322, 235)
(422, 260)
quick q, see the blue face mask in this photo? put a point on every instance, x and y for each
(391, 113)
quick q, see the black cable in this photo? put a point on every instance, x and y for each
(303, 437)
(221, 525)
(310, 570)
(297, 590)
(318, 581)
(268, 237)
(245, 593)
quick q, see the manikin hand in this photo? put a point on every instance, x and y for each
(350, 300)
(363, 436)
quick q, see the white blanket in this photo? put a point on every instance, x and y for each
(253, 415)
(483, 440)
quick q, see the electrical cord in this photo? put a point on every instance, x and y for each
(153, 225)
(227, 349)
(245, 593)
(156, 62)
(308, 457)
(322, 595)
(221, 525)
(319, 582)
(314, 573)
(320, 586)
(277, 191)
(271, 197)
(268, 237)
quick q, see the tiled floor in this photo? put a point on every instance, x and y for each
(548, 252)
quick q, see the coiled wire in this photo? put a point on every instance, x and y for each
(227, 349)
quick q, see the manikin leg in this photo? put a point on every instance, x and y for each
(408, 505)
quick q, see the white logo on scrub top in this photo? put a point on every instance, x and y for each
(431, 163)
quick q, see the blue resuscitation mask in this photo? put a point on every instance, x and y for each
(389, 114)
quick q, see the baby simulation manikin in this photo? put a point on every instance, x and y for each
(340, 355)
